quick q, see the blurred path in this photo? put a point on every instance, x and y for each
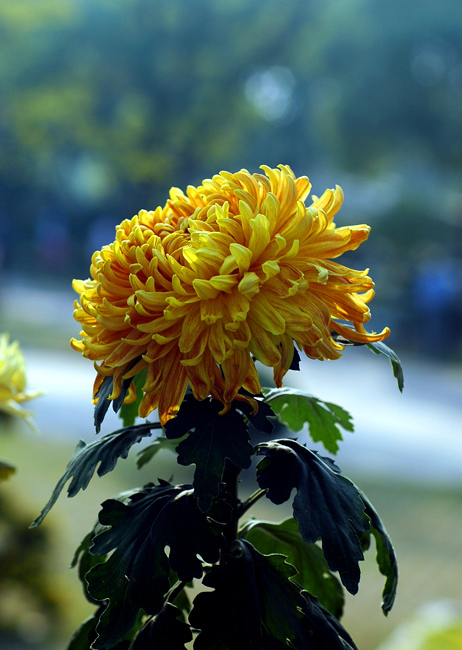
(418, 432)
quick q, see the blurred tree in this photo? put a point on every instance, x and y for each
(105, 104)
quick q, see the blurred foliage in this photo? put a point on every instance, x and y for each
(105, 104)
(449, 638)
(30, 605)
(437, 625)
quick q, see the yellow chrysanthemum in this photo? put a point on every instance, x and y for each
(13, 381)
(236, 268)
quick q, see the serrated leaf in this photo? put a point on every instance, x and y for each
(84, 635)
(233, 618)
(295, 364)
(212, 439)
(313, 572)
(104, 392)
(263, 419)
(386, 557)
(129, 412)
(6, 470)
(327, 505)
(167, 631)
(105, 451)
(268, 613)
(87, 560)
(326, 629)
(136, 574)
(324, 419)
(103, 403)
(379, 347)
(162, 443)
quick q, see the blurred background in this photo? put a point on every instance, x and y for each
(104, 105)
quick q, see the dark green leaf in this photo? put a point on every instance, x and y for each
(212, 439)
(326, 630)
(380, 348)
(6, 470)
(103, 403)
(87, 560)
(295, 409)
(268, 613)
(166, 631)
(313, 572)
(295, 365)
(386, 558)
(236, 618)
(129, 412)
(105, 451)
(162, 443)
(136, 574)
(327, 505)
(84, 636)
(104, 392)
(263, 419)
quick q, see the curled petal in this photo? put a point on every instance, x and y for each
(235, 270)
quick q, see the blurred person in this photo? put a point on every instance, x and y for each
(436, 293)
(52, 240)
(100, 232)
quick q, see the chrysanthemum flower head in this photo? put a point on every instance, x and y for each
(13, 381)
(234, 270)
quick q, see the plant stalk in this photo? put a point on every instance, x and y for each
(243, 507)
(229, 490)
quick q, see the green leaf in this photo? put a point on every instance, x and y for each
(313, 572)
(136, 574)
(6, 470)
(166, 631)
(104, 392)
(105, 451)
(162, 443)
(212, 439)
(129, 412)
(84, 637)
(326, 629)
(295, 409)
(85, 634)
(380, 348)
(386, 557)
(327, 505)
(87, 560)
(270, 612)
(263, 419)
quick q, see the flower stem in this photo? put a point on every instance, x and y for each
(230, 482)
(250, 501)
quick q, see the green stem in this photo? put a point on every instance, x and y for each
(250, 501)
(230, 482)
